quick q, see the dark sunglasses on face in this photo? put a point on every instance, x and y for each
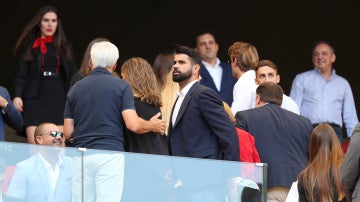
(55, 133)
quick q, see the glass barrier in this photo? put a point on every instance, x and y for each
(35, 173)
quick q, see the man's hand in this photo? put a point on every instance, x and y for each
(3, 102)
(158, 124)
(18, 104)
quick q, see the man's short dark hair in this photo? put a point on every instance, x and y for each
(326, 43)
(203, 32)
(195, 57)
(270, 92)
(268, 63)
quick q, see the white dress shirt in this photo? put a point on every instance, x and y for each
(244, 92)
(180, 99)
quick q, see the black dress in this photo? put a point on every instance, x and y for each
(48, 105)
(150, 143)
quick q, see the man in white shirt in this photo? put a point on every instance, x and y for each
(47, 174)
(266, 70)
(243, 57)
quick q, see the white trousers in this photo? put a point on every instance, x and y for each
(100, 179)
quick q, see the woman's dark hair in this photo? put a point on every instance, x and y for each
(32, 31)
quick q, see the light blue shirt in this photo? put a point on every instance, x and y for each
(323, 100)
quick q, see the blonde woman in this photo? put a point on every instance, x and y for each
(162, 68)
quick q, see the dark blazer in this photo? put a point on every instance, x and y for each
(202, 128)
(281, 138)
(9, 115)
(350, 169)
(28, 76)
(227, 82)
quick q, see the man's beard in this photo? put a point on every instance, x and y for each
(181, 77)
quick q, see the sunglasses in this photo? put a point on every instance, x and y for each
(56, 133)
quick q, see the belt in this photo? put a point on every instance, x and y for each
(331, 124)
(49, 73)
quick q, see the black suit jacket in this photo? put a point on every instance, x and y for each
(281, 138)
(202, 128)
(29, 74)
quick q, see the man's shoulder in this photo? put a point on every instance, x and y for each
(289, 104)
(306, 73)
(27, 163)
(298, 117)
(3, 91)
(340, 78)
(200, 88)
(248, 112)
(288, 99)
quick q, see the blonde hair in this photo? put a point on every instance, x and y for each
(246, 55)
(229, 112)
(168, 95)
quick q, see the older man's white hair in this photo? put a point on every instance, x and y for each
(104, 54)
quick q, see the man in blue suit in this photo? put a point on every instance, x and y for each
(46, 175)
(281, 138)
(214, 74)
(199, 126)
(9, 114)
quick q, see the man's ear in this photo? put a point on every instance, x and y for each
(333, 58)
(277, 79)
(114, 67)
(91, 65)
(258, 102)
(196, 68)
(38, 139)
(256, 81)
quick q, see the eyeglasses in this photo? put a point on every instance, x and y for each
(56, 133)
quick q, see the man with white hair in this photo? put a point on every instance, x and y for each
(95, 110)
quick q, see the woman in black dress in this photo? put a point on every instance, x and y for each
(139, 74)
(46, 66)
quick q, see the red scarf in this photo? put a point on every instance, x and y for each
(41, 42)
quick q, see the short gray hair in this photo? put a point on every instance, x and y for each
(104, 54)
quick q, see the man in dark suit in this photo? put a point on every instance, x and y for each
(200, 128)
(350, 169)
(214, 74)
(199, 125)
(281, 138)
(8, 114)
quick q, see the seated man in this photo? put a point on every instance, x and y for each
(9, 114)
(46, 175)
